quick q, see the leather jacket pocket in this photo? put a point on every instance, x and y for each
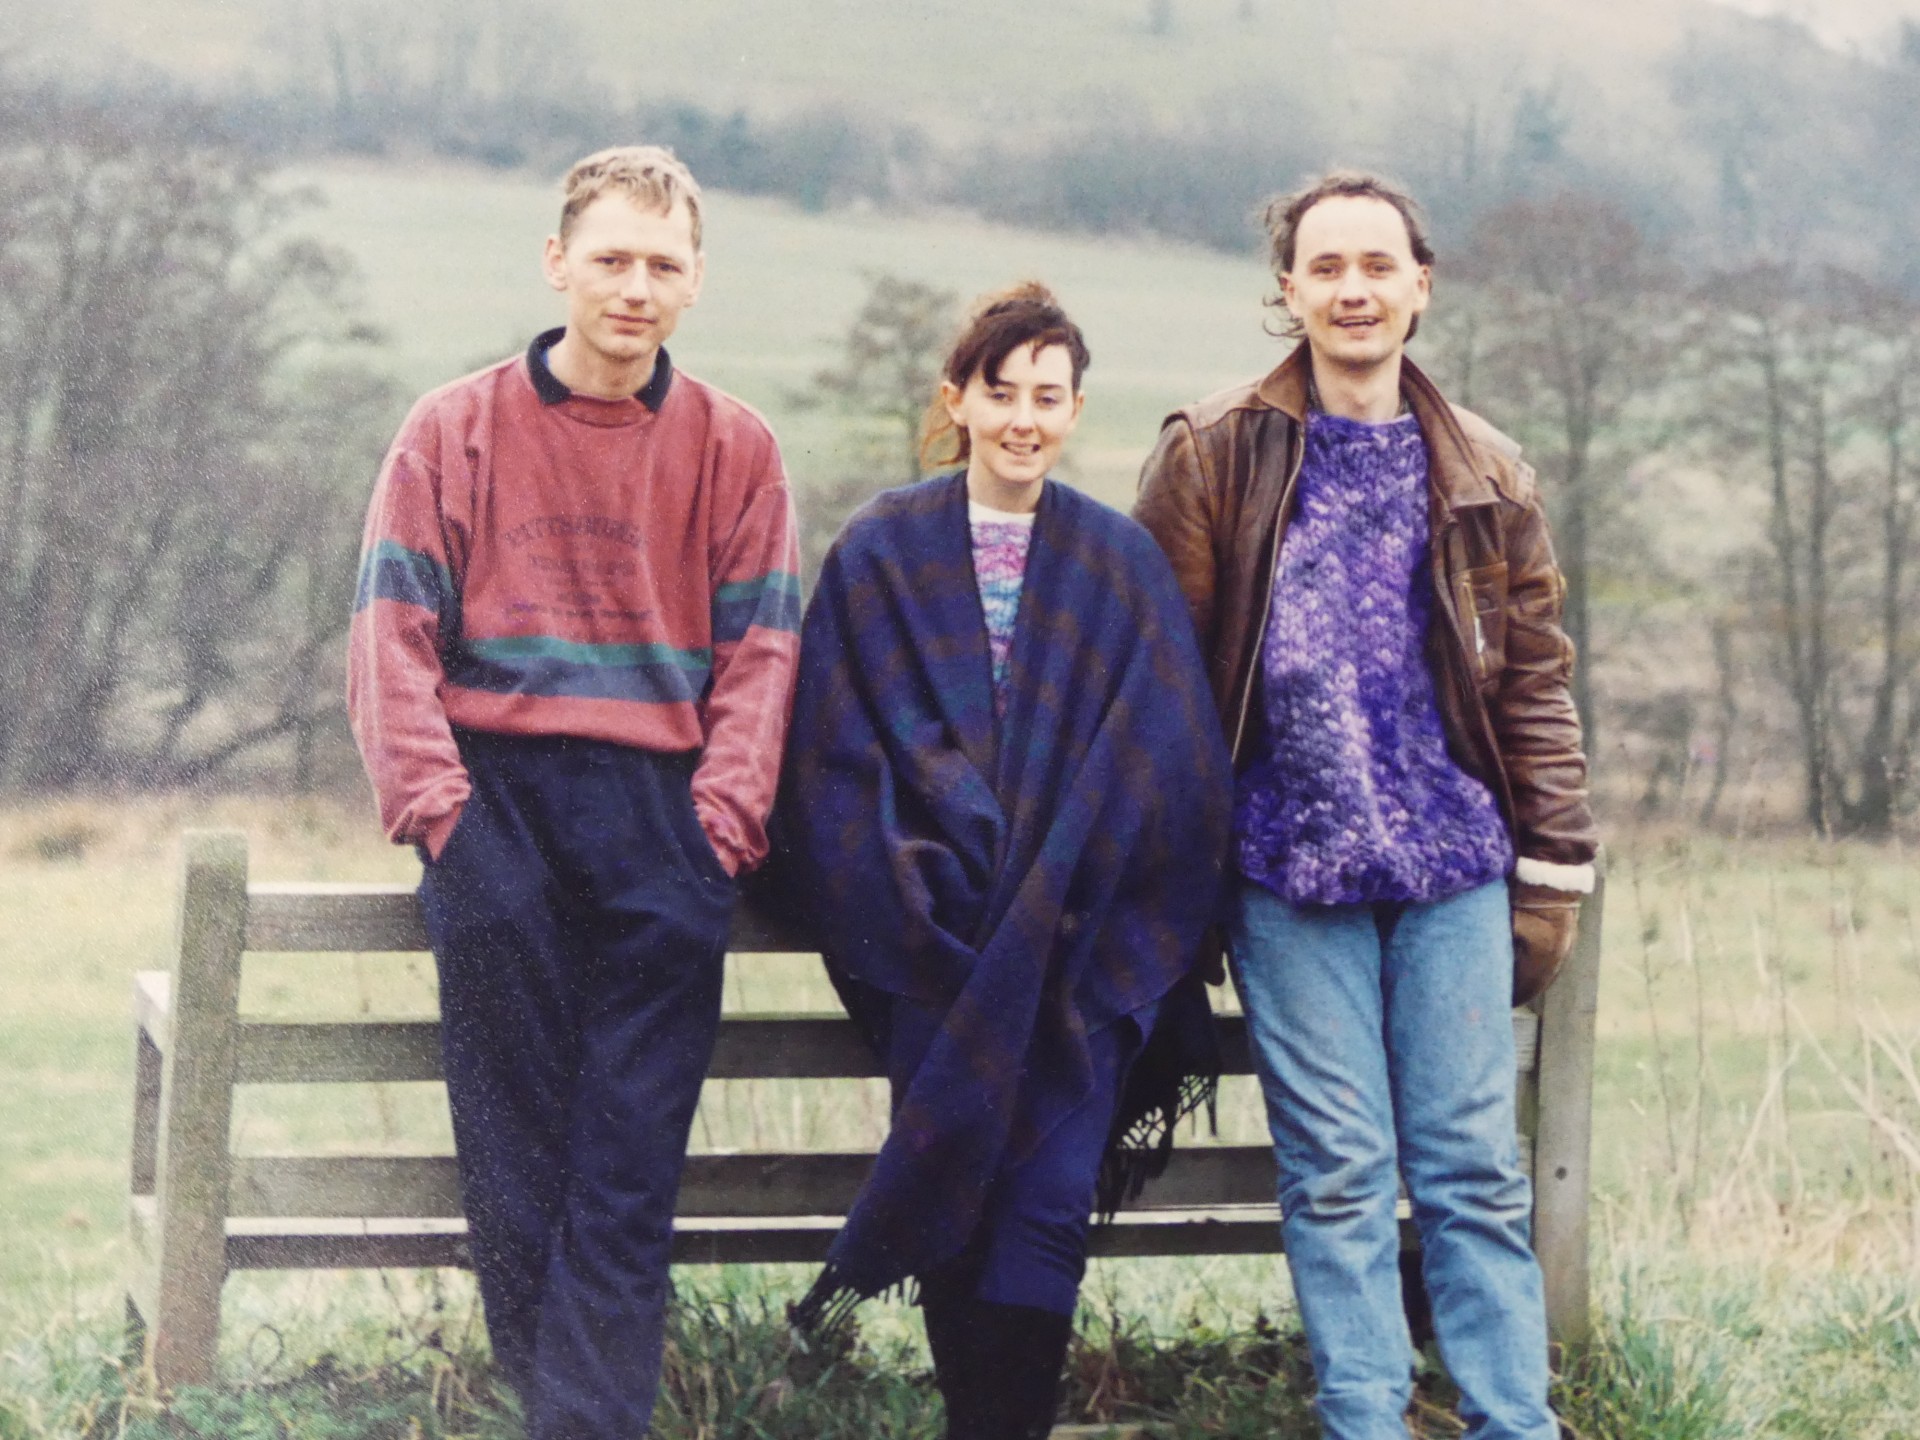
(1481, 597)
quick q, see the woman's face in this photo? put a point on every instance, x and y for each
(1016, 427)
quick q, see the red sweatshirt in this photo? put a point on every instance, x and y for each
(543, 563)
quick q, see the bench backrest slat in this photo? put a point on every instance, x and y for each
(714, 1186)
(376, 1049)
(371, 919)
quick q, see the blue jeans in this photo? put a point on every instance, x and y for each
(1384, 1044)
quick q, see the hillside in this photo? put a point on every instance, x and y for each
(1170, 117)
(984, 67)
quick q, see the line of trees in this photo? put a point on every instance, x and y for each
(1769, 143)
(1795, 388)
(1815, 399)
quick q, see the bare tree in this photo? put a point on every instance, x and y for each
(1789, 370)
(1889, 413)
(885, 377)
(1574, 300)
(1811, 396)
(157, 494)
(1726, 717)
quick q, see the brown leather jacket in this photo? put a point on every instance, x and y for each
(1216, 494)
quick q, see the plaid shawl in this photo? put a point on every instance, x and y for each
(1029, 879)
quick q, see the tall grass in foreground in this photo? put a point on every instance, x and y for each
(1679, 1356)
(1764, 1031)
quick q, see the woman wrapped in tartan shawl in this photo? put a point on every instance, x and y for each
(1004, 809)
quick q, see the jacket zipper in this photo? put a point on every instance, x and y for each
(1266, 606)
(1444, 588)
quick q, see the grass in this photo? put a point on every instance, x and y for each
(1745, 1354)
(1756, 1121)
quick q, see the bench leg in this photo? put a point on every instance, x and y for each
(133, 1347)
(193, 1170)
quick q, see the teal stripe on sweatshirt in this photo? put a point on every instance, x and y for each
(771, 601)
(547, 665)
(507, 649)
(390, 571)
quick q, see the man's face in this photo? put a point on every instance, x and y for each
(1355, 286)
(627, 273)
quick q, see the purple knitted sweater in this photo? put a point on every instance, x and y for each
(1353, 797)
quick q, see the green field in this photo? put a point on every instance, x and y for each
(449, 264)
(1728, 968)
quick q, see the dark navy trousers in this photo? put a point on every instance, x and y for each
(579, 921)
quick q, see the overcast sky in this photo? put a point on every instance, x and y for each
(1844, 24)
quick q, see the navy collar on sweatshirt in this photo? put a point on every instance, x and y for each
(551, 392)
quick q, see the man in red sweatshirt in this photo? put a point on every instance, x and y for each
(570, 672)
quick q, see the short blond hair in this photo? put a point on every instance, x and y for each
(649, 175)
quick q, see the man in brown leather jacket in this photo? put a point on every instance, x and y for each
(1374, 587)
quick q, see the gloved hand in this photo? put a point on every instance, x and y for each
(1545, 921)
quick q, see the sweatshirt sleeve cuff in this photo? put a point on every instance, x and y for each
(1575, 879)
(714, 827)
(435, 834)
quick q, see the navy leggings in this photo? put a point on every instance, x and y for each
(1031, 1247)
(579, 922)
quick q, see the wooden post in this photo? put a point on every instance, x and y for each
(190, 1240)
(149, 1072)
(149, 1069)
(1563, 1144)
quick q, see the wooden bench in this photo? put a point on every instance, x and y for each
(198, 1211)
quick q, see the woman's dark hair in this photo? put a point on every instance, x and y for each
(1002, 322)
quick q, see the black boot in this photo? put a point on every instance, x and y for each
(954, 1337)
(1020, 1362)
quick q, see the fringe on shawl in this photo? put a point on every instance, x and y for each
(1137, 1152)
(1141, 1150)
(822, 1315)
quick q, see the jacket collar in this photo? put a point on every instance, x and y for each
(1285, 388)
(1457, 473)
